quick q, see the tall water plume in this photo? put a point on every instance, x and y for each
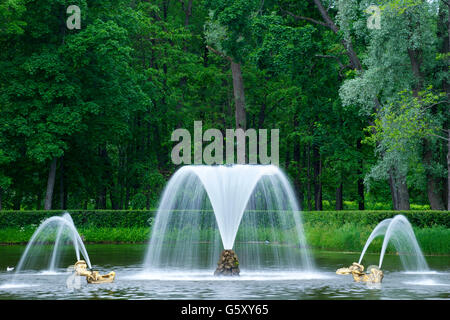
(205, 209)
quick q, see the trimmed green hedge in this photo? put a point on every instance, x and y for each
(142, 218)
(81, 218)
(419, 219)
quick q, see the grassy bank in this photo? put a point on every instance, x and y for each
(352, 237)
(347, 237)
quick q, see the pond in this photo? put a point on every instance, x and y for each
(132, 283)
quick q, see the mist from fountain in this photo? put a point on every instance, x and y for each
(37, 248)
(205, 209)
(399, 232)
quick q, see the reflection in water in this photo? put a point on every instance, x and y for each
(126, 261)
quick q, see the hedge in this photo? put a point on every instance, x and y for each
(81, 218)
(418, 218)
(142, 218)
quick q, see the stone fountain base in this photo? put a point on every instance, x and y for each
(228, 264)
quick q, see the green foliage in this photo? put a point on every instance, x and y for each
(11, 12)
(105, 99)
(404, 75)
(138, 201)
(408, 119)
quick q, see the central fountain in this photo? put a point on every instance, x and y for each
(245, 211)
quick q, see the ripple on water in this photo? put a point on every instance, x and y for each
(8, 286)
(208, 276)
(426, 282)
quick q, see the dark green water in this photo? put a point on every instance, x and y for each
(132, 283)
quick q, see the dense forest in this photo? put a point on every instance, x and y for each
(86, 115)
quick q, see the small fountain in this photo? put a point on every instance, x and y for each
(37, 248)
(399, 231)
(206, 210)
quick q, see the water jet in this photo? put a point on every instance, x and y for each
(205, 210)
(399, 232)
(57, 230)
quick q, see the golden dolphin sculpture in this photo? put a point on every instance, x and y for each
(374, 275)
(93, 276)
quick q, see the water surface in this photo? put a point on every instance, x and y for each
(132, 283)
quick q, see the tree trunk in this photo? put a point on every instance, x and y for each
(444, 33)
(238, 90)
(399, 190)
(448, 169)
(403, 194)
(360, 181)
(298, 169)
(239, 96)
(361, 200)
(434, 195)
(62, 191)
(17, 200)
(308, 177)
(113, 198)
(127, 196)
(317, 179)
(432, 183)
(394, 194)
(50, 185)
(187, 11)
(105, 176)
(38, 201)
(101, 204)
(339, 199)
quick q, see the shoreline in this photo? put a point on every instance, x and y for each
(328, 250)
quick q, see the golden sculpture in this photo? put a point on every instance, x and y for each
(374, 275)
(81, 268)
(354, 267)
(93, 276)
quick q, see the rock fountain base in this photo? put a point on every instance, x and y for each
(228, 264)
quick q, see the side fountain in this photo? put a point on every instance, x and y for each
(233, 209)
(57, 230)
(399, 232)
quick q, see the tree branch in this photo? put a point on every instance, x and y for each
(341, 65)
(331, 57)
(221, 54)
(440, 137)
(296, 17)
(330, 23)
